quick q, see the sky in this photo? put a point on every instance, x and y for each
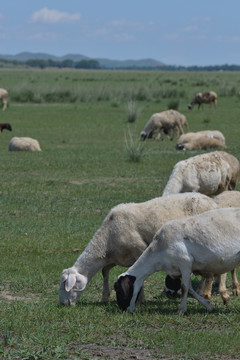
(175, 32)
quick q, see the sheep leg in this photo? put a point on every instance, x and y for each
(4, 104)
(222, 288)
(207, 293)
(106, 290)
(185, 285)
(235, 283)
(202, 301)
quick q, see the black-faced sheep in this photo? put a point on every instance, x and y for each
(6, 126)
(3, 98)
(173, 286)
(207, 244)
(168, 121)
(207, 97)
(125, 233)
(209, 174)
(23, 144)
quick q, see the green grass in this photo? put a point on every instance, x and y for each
(52, 202)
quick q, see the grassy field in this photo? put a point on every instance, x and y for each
(52, 202)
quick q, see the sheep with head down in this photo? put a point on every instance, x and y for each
(201, 140)
(125, 233)
(206, 244)
(23, 144)
(165, 122)
(207, 97)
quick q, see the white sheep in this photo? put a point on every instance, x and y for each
(125, 233)
(209, 174)
(200, 98)
(165, 122)
(173, 286)
(23, 144)
(207, 244)
(3, 98)
(194, 136)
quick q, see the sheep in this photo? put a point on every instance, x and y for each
(202, 143)
(173, 286)
(6, 126)
(192, 136)
(164, 122)
(209, 174)
(206, 244)
(3, 98)
(124, 234)
(23, 144)
(200, 98)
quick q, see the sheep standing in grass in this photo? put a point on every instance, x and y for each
(126, 232)
(168, 121)
(173, 286)
(207, 97)
(3, 98)
(207, 244)
(209, 174)
(23, 144)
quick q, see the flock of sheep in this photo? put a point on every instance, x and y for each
(17, 143)
(182, 232)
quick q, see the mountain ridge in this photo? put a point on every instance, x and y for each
(104, 62)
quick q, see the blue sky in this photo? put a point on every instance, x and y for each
(184, 32)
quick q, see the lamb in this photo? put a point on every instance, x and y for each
(23, 144)
(3, 98)
(200, 98)
(209, 174)
(194, 136)
(164, 122)
(124, 234)
(207, 244)
(6, 126)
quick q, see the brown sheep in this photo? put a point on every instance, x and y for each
(207, 97)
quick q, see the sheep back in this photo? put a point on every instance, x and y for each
(23, 144)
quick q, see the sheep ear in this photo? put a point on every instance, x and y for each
(82, 282)
(70, 282)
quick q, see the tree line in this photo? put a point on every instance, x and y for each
(94, 64)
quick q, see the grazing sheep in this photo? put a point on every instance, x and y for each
(202, 143)
(5, 126)
(173, 286)
(194, 136)
(207, 97)
(209, 174)
(125, 233)
(164, 122)
(3, 98)
(23, 144)
(207, 244)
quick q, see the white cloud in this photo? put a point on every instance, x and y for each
(46, 15)
(190, 29)
(123, 37)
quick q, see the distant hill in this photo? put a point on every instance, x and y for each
(104, 63)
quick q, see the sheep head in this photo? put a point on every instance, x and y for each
(71, 286)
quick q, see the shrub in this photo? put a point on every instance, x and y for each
(173, 104)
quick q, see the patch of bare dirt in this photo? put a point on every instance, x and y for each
(101, 352)
(4, 294)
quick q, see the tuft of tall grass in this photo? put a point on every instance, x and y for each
(132, 111)
(134, 148)
(173, 104)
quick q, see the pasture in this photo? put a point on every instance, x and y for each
(52, 202)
